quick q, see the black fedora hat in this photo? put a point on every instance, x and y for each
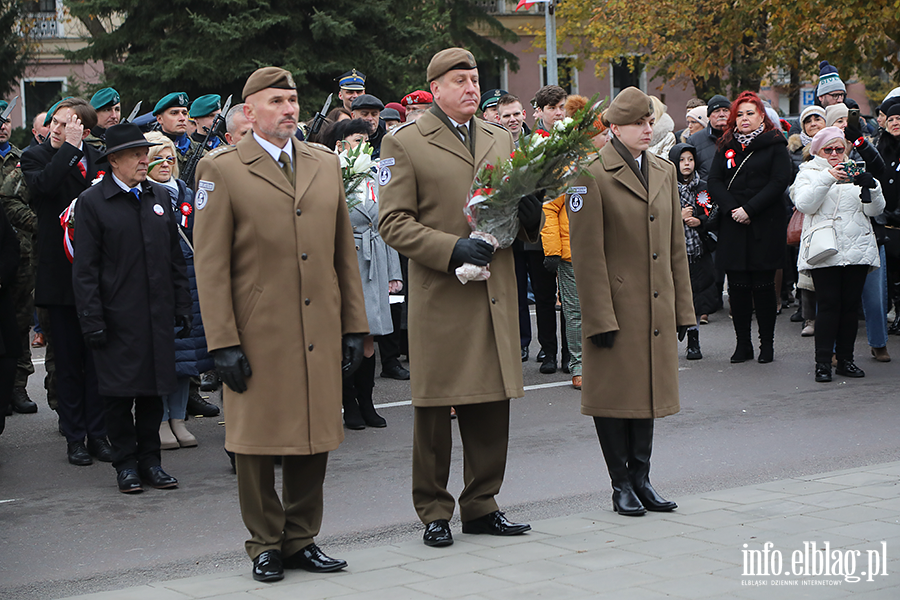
(123, 137)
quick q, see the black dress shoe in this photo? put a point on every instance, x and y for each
(395, 372)
(823, 372)
(267, 566)
(548, 367)
(100, 449)
(495, 523)
(524, 353)
(196, 405)
(78, 454)
(314, 560)
(128, 481)
(847, 368)
(540, 356)
(797, 317)
(209, 381)
(437, 533)
(158, 478)
(21, 403)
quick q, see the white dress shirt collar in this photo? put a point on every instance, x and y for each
(273, 150)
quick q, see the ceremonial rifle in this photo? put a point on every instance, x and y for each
(187, 175)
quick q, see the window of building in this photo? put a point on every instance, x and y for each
(623, 76)
(40, 94)
(567, 74)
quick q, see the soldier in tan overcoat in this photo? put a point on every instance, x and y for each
(464, 339)
(279, 289)
(628, 249)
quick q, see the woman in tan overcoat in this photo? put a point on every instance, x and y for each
(631, 266)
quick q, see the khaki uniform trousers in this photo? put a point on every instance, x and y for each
(484, 430)
(289, 524)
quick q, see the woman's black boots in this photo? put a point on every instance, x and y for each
(640, 448)
(613, 435)
(766, 304)
(364, 379)
(352, 417)
(740, 298)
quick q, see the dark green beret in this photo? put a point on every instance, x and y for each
(3, 105)
(105, 98)
(52, 111)
(205, 105)
(175, 99)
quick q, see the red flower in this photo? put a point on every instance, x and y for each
(488, 167)
(512, 154)
(542, 133)
(101, 173)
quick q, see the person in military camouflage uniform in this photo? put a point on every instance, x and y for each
(203, 112)
(171, 113)
(109, 112)
(23, 220)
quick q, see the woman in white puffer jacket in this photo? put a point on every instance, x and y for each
(823, 190)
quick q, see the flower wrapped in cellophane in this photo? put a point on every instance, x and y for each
(357, 167)
(544, 160)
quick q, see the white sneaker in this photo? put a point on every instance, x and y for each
(809, 328)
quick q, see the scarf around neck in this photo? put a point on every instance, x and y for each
(746, 138)
(687, 193)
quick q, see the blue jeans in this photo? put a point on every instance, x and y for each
(175, 405)
(875, 304)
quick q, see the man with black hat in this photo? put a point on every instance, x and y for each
(171, 113)
(109, 111)
(368, 108)
(463, 346)
(705, 140)
(56, 172)
(488, 105)
(634, 286)
(283, 296)
(203, 112)
(352, 84)
(131, 288)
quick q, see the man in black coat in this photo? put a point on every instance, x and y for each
(131, 287)
(57, 171)
(705, 140)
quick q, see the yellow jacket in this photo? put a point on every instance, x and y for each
(555, 234)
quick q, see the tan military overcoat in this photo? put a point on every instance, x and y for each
(463, 339)
(277, 273)
(632, 271)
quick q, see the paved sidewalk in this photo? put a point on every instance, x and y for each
(695, 552)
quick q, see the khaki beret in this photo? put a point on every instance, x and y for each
(448, 60)
(628, 107)
(268, 77)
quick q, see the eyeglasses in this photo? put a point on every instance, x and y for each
(836, 95)
(168, 159)
(834, 150)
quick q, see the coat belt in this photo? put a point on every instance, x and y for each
(367, 239)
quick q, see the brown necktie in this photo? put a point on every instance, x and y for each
(286, 167)
(464, 132)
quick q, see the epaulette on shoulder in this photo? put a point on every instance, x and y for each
(404, 126)
(219, 151)
(319, 147)
(495, 124)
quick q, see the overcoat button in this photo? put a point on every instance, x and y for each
(306, 301)
(652, 217)
(304, 257)
(298, 212)
(310, 347)
(655, 256)
(493, 301)
(656, 294)
(655, 332)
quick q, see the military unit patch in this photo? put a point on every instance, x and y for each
(206, 185)
(384, 171)
(201, 199)
(576, 201)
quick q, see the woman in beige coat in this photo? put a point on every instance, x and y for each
(631, 266)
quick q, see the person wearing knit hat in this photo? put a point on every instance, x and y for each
(697, 119)
(836, 115)
(625, 223)
(705, 140)
(812, 119)
(830, 90)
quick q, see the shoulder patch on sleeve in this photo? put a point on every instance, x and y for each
(200, 199)
(206, 185)
(575, 198)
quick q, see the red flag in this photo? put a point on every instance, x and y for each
(526, 4)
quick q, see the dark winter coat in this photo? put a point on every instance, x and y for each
(705, 143)
(130, 280)
(54, 180)
(10, 346)
(191, 356)
(757, 185)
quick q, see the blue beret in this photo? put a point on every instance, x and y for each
(205, 105)
(175, 99)
(353, 80)
(105, 98)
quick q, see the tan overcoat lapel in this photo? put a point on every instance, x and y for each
(621, 172)
(484, 140)
(440, 135)
(656, 176)
(261, 164)
(305, 167)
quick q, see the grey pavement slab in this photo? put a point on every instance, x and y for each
(749, 543)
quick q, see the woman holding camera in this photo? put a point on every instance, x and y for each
(825, 190)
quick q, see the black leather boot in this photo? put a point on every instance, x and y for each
(766, 304)
(693, 345)
(364, 380)
(639, 450)
(740, 298)
(352, 417)
(613, 435)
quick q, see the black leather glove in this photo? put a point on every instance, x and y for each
(530, 210)
(551, 263)
(604, 340)
(233, 367)
(865, 180)
(95, 339)
(852, 134)
(183, 321)
(474, 252)
(352, 352)
(682, 331)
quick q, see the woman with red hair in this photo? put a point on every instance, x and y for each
(747, 179)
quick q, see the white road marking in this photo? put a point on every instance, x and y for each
(528, 388)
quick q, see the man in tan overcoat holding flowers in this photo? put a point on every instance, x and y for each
(464, 349)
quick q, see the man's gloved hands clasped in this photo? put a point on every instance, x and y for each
(530, 210)
(352, 353)
(184, 322)
(472, 251)
(604, 340)
(95, 339)
(233, 367)
(551, 263)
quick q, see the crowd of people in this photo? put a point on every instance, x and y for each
(172, 252)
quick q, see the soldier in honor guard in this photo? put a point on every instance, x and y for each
(426, 171)
(109, 112)
(352, 84)
(489, 101)
(203, 112)
(282, 304)
(171, 113)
